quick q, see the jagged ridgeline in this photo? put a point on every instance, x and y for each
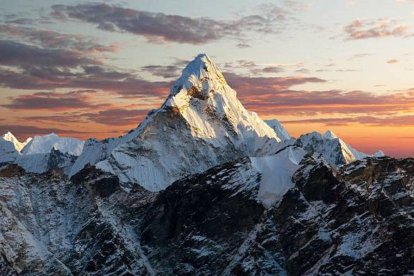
(203, 187)
(200, 125)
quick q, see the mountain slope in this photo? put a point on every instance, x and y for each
(201, 124)
(51, 226)
(8, 152)
(355, 220)
(95, 151)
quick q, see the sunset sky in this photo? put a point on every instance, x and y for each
(89, 69)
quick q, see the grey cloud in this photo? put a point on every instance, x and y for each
(117, 116)
(158, 27)
(52, 101)
(165, 71)
(51, 39)
(124, 84)
(18, 54)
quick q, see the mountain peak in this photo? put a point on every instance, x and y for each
(330, 135)
(281, 132)
(198, 79)
(8, 136)
(199, 66)
(202, 61)
(202, 117)
(44, 144)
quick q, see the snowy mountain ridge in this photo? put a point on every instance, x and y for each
(279, 129)
(8, 136)
(40, 153)
(45, 143)
(201, 117)
(333, 149)
(355, 220)
(10, 147)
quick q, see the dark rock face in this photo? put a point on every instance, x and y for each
(360, 221)
(59, 160)
(197, 224)
(12, 170)
(354, 220)
(51, 226)
(97, 182)
(6, 268)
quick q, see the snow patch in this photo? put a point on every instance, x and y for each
(276, 173)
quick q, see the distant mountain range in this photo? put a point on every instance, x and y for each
(203, 187)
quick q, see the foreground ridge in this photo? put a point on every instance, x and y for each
(356, 220)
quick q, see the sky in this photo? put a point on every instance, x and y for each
(95, 69)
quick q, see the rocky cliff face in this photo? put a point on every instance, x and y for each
(356, 220)
(53, 226)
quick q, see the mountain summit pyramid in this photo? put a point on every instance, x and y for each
(200, 125)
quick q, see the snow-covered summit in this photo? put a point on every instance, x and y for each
(330, 135)
(10, 148)
(202, 117)
(192, 78)
(50, 151)
(8, 136)
(202, 97)
(45, 144)
(379, 153)
(280, 130)
(333, 149)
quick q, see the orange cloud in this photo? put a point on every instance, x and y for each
(393, 61)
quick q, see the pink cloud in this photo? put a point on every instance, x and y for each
(363, 29)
